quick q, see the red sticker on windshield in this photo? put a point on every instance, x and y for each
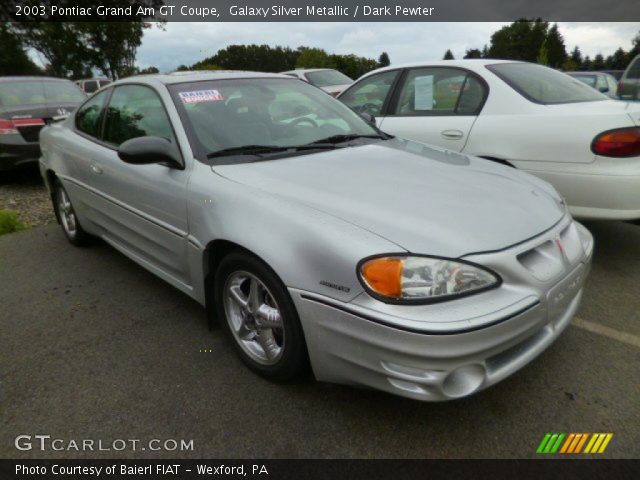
(201, 96)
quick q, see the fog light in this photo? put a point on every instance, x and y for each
(464, 380)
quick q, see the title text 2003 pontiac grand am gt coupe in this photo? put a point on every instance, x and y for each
(317, 238)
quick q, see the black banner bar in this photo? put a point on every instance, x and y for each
(319, 10)
(321, 469)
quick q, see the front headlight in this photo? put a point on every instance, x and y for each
(417, 279)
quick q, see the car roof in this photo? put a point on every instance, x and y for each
(32, 77)
(305, 70)
(469, 63)
(197, 76)
(476, 62)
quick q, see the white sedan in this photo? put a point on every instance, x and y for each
(521, 114)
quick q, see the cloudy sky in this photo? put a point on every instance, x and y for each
(187, 43)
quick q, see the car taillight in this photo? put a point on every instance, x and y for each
(9, 127)
(619, 89)
(621, 142)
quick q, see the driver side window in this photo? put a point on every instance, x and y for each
(136, 111)
(369, 95)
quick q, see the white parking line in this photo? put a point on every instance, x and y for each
(598, 329)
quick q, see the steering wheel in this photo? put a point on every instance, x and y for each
(308, 120)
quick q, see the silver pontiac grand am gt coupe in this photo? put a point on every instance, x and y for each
(314, 238)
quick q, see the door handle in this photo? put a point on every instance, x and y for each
(452, 134)
(96, 169)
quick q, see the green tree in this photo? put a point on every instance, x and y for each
(72, 49)
(598, 62)
(554, 45)
(314, 58)
(617, 61)
(576, 57)
(543, 55)
(587, 64)
(521, 40)
(13, 58)
(147, 70)
(353, 66)
(473, 53)
(61, 46)
(113, 45)
(182, 68)
(448, 55)
(383, 60)
(261, 58)
(206, 66)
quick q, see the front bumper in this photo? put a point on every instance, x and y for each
(456, 348)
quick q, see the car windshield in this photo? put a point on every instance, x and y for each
(224, 115)
(35, 92)
(327, 78)
(544, 85)
(586, 79)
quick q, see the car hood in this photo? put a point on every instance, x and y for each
(423, 199)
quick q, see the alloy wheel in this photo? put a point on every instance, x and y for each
(254, 318)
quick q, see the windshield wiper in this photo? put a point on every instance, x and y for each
(333, 139)
(247, 149)
(262, 149)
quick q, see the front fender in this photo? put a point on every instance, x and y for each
(302, 245)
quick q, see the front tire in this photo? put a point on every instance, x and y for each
(67, 217)
(258, 314)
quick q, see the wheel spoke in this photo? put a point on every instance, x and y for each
(254, 295)
(236, 294)
(245, 333)
(268, 317)
(268, 343)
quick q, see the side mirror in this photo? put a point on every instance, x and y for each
(370, 119)
(148, 150)
(604, 89)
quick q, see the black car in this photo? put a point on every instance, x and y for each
(26, 105)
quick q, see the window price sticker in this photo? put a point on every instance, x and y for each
(199, 96)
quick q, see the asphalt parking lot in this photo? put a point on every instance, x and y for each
(92, 346)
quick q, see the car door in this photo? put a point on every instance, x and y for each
(141, 208)
(435, 105)
(372, 94)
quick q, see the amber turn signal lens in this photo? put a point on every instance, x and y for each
(384, 276)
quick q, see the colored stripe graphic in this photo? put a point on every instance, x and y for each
(567, 443)
(550, 443)
(573, 443)
(598, 443)
(543, 443)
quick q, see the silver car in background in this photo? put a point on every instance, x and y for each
(314, 238)
(331, 81)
